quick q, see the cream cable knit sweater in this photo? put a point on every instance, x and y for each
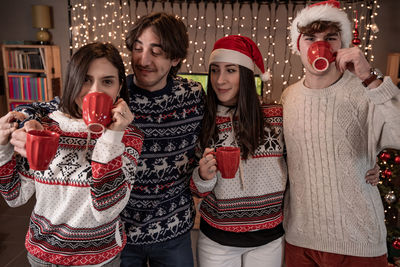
(332, 137)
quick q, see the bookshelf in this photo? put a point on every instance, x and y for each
(31, 73)
(393, 68)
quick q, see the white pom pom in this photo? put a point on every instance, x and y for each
(265, 76)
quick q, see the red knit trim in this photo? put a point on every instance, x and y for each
(246, 227)
(76, 259)
(274, 111)
(219, 120)
(195, 191)
(267, 155)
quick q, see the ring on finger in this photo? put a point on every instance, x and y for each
(210, 171)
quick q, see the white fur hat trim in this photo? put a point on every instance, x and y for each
(320, 12)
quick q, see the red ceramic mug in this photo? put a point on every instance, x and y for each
(228, 159)
(96, 111)
(41, 147)
(320, 55)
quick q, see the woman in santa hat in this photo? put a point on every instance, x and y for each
(241, 218)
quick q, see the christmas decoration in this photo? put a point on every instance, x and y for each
(387, 173)
(384, 156)
(356, 40)
(396, 243)
(267, 23)
(390, 197)
(389, 187)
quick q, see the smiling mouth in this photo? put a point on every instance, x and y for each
(143, 69)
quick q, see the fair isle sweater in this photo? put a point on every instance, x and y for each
(161, 205)
(75, 220)
(332, 137)
(258, 205)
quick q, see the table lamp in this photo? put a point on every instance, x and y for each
(41, 19)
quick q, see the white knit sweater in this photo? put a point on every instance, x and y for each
(75, 220)
(332, 137)
(258, 204)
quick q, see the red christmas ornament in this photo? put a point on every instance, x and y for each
(384, 156)
(396, 243)
(397, 159)
(387, 173)
(356, 41)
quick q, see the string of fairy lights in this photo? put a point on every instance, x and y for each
(267, 23)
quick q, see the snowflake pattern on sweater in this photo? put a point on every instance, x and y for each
(161, 205)
(75, 220)
(258, 205)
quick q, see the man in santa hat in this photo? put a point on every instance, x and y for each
(336, 120)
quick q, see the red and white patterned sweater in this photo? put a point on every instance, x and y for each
(75, 220)
(226, 206)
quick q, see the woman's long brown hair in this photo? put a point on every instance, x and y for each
(248, 119)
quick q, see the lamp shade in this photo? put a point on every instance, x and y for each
(41, 17)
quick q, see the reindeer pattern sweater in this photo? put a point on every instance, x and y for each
(75, 220)
(332, 137)
(258, 205)
(161, 205)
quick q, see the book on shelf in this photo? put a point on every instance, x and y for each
(32, 73)
(27, 86)
(26, 58)
(41, 52)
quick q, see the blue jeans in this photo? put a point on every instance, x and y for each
(173, 253)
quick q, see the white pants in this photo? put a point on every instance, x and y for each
(212, 254)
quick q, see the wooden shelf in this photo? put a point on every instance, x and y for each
(26, 70)
(32, 73)
(393, 68)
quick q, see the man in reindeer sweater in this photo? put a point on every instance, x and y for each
(335, 123)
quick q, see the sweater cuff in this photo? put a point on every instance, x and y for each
(384, 92)
(6, 153)
(108, 146)
(203, 186)
(111, 136)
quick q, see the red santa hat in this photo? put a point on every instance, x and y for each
(326, 11)
(239, 50)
